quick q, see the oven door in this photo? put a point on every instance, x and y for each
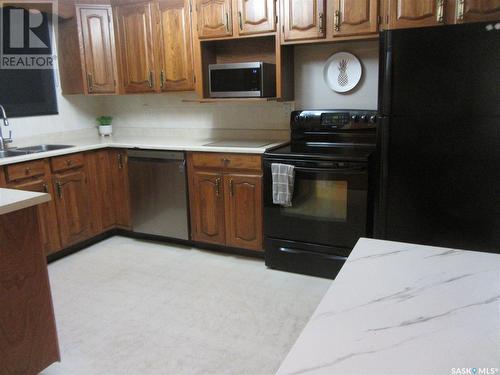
(329, 205)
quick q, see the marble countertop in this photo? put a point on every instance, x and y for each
(14, 200)
(143, 142)
(399, 308)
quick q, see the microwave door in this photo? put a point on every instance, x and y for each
(236, 83)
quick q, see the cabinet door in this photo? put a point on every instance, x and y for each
(47, 218)
(177, 70)
(72, 204)
(477, 10)
(411, 13)
(244, 211)
(214, 18)
(304, 19)
(256, 16)
(355, 17)
(119, 173)
(136, 44)
(102, 195)
(207, 207)
(98, 47)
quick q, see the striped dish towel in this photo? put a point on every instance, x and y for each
(283, 179)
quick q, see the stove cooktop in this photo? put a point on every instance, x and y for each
(323, 152)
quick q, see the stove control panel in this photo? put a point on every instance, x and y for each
(333, 120)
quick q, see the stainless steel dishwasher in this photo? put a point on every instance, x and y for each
(158, 193)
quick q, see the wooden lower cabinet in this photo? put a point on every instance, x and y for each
(35, 176)
(243, 211)
(102, 198)
(73, 206)
(226, 202)
(207, 207)
(119, 177)
(90, 194)
(49, 229)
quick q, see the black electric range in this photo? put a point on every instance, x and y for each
(332, 152)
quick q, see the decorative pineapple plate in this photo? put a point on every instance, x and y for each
(342, 72)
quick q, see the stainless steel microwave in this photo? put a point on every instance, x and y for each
(242, 80)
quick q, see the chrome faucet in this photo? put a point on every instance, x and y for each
(4, 141)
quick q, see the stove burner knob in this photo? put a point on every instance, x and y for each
(373, 119)
(355, 118)
(364, 118)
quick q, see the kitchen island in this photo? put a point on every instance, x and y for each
(28, 338)
(399, 308)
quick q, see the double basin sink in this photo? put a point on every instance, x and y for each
(30, 150)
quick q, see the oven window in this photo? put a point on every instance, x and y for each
(324, 200)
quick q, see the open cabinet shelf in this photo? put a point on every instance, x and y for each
(263, 48)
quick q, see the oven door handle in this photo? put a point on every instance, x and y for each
(290, 250)
(332, 170)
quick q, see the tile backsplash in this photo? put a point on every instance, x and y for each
(171, 111)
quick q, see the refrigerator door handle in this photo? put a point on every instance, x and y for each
(385, 74)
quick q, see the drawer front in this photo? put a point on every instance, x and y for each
(226, 161)
(26, 170)
(61, 163)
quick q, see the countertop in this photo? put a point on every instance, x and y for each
(142, 142)
(398, 308)
(14, 200)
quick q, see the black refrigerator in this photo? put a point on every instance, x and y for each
(439, 137)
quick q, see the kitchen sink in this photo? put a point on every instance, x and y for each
(10, 153)
(42, 148)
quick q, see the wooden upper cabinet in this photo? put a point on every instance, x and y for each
(137, 46)
(256, 16)
(304, 19)
(207, 207)
(477, 10)
(214, 18)
(244, 211)
(177, 70)
(72, 204)
(411, 13)
(97, 42)
(355, 17)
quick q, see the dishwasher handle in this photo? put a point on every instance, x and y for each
(156, 154)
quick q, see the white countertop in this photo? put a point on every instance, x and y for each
(399, 308)
(144, 142)
(14, 200)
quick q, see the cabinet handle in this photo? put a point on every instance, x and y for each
(150, 79)
(162, 78)
(59, 189)
(227, 22)
(90, 83)
(231, 188)
(217, 186)
(321, 23)
(337, 20)
(460, 10)
(241, 20)
(120, 160)
(440, 11)
(45, 188)
(27, 171)
(69, 162)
